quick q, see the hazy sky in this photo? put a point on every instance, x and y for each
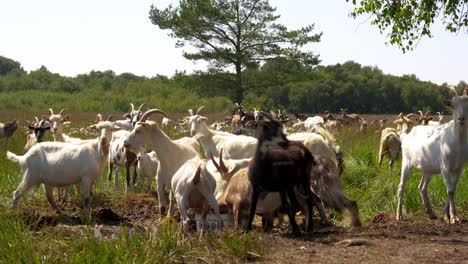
(72, 37)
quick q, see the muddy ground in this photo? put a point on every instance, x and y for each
(382, 240)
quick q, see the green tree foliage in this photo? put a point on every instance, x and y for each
(284, 84)
(407, 21)
(8, 65)
(234, 33)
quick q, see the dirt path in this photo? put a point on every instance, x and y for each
(412, 241)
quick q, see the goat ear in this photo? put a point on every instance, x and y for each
(126, 115)
(430, 118)
(66, 117)
(447, 103)
(45, 117)
(203, 118)
(115, 128)
(31, 127)
(92, 127)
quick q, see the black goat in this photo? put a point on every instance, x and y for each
(280, 166)
(7, 130)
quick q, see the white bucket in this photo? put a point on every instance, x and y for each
(212, 221)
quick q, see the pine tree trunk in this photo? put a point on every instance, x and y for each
(239, 90)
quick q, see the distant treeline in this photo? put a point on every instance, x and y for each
(276, 84)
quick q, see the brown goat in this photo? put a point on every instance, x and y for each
(237, 197)
(424, 119)
(280, 165)
(236, 121)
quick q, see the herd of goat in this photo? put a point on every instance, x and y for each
(287, 167)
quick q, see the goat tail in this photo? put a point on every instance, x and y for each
(13, 157)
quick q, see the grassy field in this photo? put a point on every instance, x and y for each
(132, 233)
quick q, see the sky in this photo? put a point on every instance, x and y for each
(74, 37)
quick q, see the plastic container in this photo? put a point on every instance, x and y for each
(212, 222)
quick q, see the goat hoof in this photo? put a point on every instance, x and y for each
(455, 221)
(399, 218)
(447, 219)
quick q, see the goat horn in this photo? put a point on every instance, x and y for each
(439, 113)
(150, 112)
(191, 112)
(133, 107)
(199, 109)
(214, 163)
(37, 119)
(411, 115)
(453, 91)
(51, 111)
(427, 113)
(221, 163)
(273, 114)
(61, 111)
(420, 113)
(139, 109)
(110, 117)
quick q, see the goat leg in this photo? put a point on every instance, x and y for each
(253, 208)
(129, 186)
(292, 210)
(50, 197)
(111, 170)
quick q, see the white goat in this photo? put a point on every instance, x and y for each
(124, 123)
(234, 146)
(117, 157)
(130, 118)
(311, 123)
(57, 123)
(172, 155)
(320, 142)
(147, 169)
(436, 123)
(166, 122)
(57, 164)
(437, 149)
(299, 126)
(188, 141)
(193, 187)
(390, 144)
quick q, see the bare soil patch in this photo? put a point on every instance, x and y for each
(382, 240)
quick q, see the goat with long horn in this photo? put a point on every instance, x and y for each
(175, 154)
